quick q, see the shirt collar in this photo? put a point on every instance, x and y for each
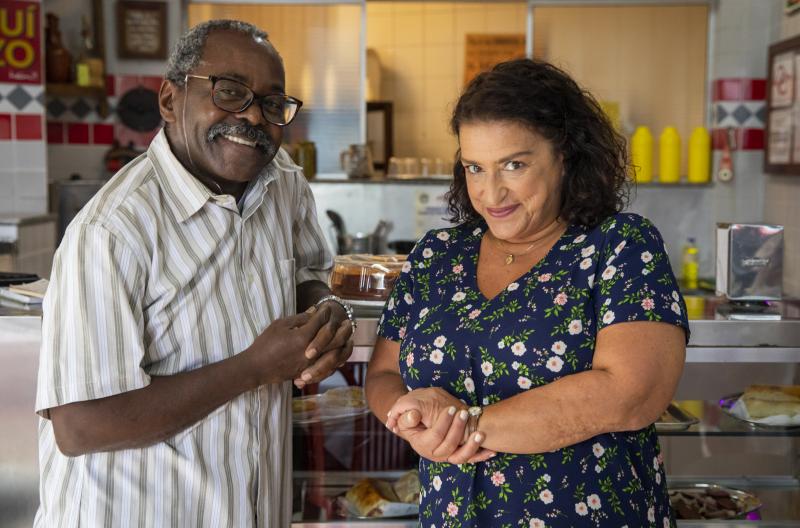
(188, 195)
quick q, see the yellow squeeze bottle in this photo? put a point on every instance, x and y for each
(669, 156)
(699, 156)
(642, 154)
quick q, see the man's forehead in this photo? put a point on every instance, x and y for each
(236, 59)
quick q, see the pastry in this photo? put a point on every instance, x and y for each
(407, 487)
(349, 397)
(771, 400)
(369, 496)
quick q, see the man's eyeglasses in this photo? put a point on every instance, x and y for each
(233, 96)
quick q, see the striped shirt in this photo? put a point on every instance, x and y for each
(155, 276)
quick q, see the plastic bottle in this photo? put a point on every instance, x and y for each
(642, 154)
(690, 264)
(669, 156)
(699, 156)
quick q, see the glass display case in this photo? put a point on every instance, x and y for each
(703, 444)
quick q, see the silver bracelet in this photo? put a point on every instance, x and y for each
(341, 302)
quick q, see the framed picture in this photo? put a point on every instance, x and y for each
(141, 30)
(791, 6)
(782, 145)
(379, 133)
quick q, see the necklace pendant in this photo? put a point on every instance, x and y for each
(509, 259)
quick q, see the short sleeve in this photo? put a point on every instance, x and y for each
(92, 324)
(313, 258)
(636, 282)
(397, 312)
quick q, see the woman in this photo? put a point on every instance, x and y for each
(554, 318)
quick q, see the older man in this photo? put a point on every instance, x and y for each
(169, 340)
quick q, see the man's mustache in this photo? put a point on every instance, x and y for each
(251, 133)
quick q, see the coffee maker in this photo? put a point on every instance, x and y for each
(749, 270)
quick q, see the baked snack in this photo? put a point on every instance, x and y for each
(303, 405)
(709, 503)
(349, 397)
(407, 487)
(369, 496)
(771, 400)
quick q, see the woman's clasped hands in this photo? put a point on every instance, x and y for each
(435, 424)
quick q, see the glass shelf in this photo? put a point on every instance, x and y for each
(715, 422)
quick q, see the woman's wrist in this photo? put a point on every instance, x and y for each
(473, 418)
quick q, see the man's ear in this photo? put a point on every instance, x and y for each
(167, 95)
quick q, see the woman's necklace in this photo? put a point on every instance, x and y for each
(510, 256)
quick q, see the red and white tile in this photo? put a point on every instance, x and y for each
(739, 104)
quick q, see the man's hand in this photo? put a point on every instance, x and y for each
(330, 348)
(279, 353)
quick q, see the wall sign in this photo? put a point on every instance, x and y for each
(20, 42)
(484, 51)
(142, 30)
(782, 152)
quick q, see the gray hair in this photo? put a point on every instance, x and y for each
(189, 48)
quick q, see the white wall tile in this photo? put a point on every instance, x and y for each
(30, 155)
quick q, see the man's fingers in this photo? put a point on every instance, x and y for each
(316, 320)
(294, 321)
(321, 340)
(468, 450)
(454, 435)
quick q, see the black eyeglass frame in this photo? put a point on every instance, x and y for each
(253, 97)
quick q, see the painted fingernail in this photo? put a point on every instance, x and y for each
(493, 455)
(389, 414)
(451, 410)
(478, 438)
(394, 430)
(463, 414)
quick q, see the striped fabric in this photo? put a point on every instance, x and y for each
(155, 276)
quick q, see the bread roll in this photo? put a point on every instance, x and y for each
(369, 496)
(771, 400)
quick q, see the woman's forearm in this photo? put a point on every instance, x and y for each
(382, 390)
(565, 412)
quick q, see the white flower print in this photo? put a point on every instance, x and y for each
(544, 277)
(619, 247)
(443, 235)
(648, 303)
(536, 523)
(452, 510)
(645, 271)
(487, 368)
(436, 356)
(437, 483)
(609, 272)
(561, 299)
(607, 302)
(518, 348)
(647, 257)
(421, 265)
(459, 296)
(439, 341)
(575, 327)
(554, 364)
(587, 251)
(597, 468)
(655, 463)
(658, 477)
(608, 317)
(591, 280)
(406, 267)
(423, 313)
(402, 332)
(598, 449)
(666, 522)
(675, 295)
(501, 344)
(391, 303)
(581, 509)
(593, 501)
(546, 496)
(469, 384)
(610, 259)
(408, 298)
(474, 313)
(675, 307)
(651, 514)
(427, 252)
(410, 359)
(546, 477)
(513, 286)
(485, 400)
(477, 231)
(498, 478)
(515, 365)
(523, 382)
(586, 263)
(559, 347)
(579, 239)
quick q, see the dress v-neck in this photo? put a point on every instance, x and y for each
(476, 253)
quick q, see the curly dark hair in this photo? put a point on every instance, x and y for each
(548, 101)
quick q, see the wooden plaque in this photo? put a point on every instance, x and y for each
(141, 30)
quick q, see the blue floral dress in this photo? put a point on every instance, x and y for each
(538, 329)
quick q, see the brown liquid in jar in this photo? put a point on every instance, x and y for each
(362, 284)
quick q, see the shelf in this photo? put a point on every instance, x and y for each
(73, 90)
(715, 422)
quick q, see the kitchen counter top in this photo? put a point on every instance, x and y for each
(26, 218)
